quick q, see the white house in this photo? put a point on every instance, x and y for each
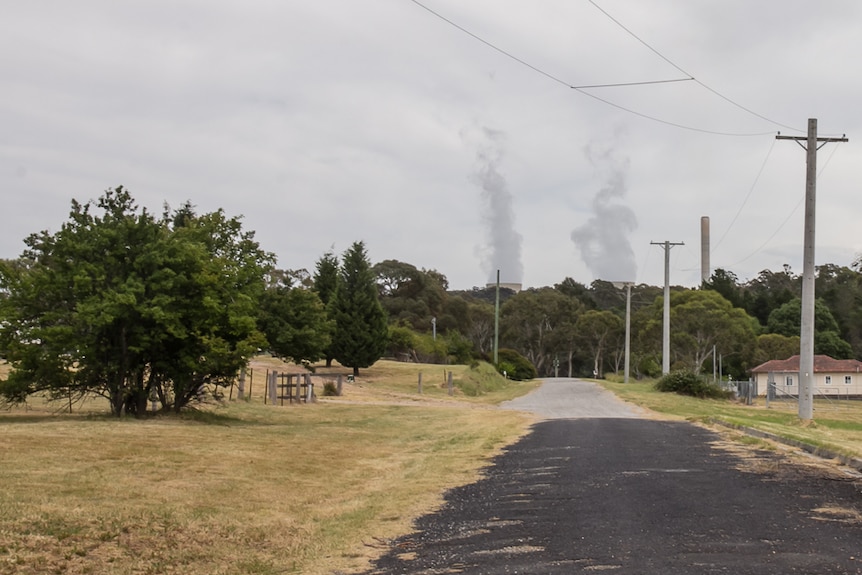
(832, 377)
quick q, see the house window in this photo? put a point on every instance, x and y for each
(788, 380)
(848, 379)
(828, 380)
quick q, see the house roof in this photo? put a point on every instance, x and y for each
(822, 364)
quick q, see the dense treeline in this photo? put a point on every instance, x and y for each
(576, 329)
(167, 309)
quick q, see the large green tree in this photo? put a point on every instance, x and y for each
(295, 323)
(599, 332)
(361, 331)
(775, 346)
(786, 320)
(727, 284)
(703, 321)
(768, 291)
(700, 321)
(529, 320)
(841, 290)
(132, 307)
(411, 296)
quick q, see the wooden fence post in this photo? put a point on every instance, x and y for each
(420, 382)
(273, 383)
(240, 390)
(451, 390)
(339, 383)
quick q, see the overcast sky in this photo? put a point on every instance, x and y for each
(329, 121)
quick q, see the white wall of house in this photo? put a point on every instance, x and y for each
(831, 384)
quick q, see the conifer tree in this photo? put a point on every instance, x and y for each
(325, 282)
(361, 331)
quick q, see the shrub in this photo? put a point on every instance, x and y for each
(459, 348)
(479, 379)
(330, 389)
(402, 340)
(517, 366)
(689, 383)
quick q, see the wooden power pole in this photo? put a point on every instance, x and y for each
(806, 344)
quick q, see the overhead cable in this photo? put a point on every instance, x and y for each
(582, 89)
(701, 84)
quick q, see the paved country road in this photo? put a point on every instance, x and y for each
(599, 492)
(563, 398)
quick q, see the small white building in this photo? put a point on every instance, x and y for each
(832, 377)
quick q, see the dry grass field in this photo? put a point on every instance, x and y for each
(243, 487)
(240, 487)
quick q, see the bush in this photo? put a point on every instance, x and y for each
(330, 389)
(459, 348)
(517, 367)
(481, 378)
(402, 340)
(688, 383)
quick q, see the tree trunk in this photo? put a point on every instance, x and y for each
(117, 402)
(355, 372)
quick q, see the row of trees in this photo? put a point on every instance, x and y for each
(580, 330)
(138, 308)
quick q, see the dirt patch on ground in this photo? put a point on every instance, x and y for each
(777, 461)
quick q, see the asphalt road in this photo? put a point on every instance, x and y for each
(600, 490)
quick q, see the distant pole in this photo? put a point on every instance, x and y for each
(434, 328)
(628, 286)
(704, 250)
(628, 331)
(713, 365)
(665, 343)
(497, 320)
(806, 343)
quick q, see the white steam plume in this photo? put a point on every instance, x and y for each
(503, 244)
(604, 239)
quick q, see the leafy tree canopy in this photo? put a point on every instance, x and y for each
(132, 307)
(295, 323)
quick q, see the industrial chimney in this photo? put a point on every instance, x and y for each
(704, 249)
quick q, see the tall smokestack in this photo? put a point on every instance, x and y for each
(705, 272)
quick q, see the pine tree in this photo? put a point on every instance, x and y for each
(361, 331)
(325, 282)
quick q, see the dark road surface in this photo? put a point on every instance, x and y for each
(637, 496)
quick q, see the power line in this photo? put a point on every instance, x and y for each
(787, 219)
(621, 84)
(669, 123)
(582, 89)
(747, 197)
(492, 46)
(701, 84)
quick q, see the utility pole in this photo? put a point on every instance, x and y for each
(806, 344)
(665, 344)
(497, 321)
(628, 286)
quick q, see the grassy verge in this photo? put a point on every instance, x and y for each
(242, 488)
(837, 425)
